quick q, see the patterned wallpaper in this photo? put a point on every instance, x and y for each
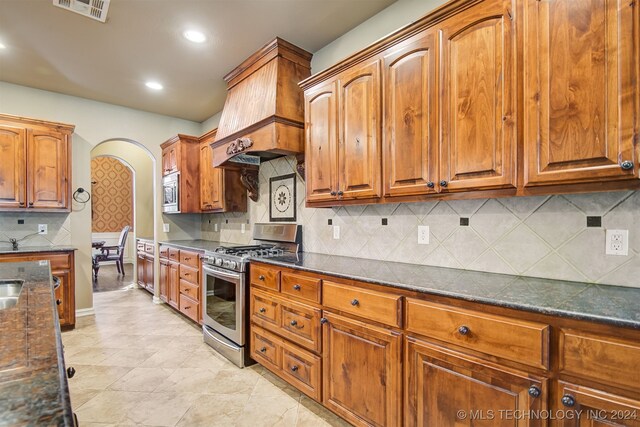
(111, 195)
(545, 236)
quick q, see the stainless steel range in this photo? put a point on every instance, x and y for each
(226, 287)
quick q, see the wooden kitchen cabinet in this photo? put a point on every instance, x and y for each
(170, 159)
(580, 91)
(221, 189)
(144, 264)
(62, 266)
(180, 154)
(441, 382)
(410, 145)
(180, 280)
(164, 279)
(362, 371)
(36, 169)
(478, 95)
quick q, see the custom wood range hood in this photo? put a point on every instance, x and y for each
(263, 115)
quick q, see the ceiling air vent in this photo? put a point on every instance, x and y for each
(94, 9)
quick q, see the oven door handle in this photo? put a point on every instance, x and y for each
(223, 273)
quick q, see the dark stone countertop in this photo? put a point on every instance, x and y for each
(33, 382)
(6, 249)
(195, 245)
(613, 305)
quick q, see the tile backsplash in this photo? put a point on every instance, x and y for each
(58, 228)
(545, 236)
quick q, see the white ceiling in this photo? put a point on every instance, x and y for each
(54, 49)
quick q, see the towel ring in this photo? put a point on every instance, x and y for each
(79, 197)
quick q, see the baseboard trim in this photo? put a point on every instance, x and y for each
(82, 312)
(157, 300)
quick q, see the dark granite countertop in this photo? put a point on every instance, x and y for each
(6, 249)
(196, 245)
(33, 382)
(614, 305)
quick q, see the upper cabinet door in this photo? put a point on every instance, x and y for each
(581, 84)
(13, 167)
(210, 180)
(48, 172)
(478, 92)
(359, 144)
(410, 134)
(170, 159)
(321, 128)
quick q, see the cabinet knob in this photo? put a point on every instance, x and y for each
(568, 400)
(21, 203)
(262, 310)
(293, 323)
(355, 302)
(443, 183)
(296, 287)
(534, 391)
(323, 320)
(430, 184)
(294, 368)
(463, 330)
(340, 193)
(58, 302)
(261, 277)
(626, 165)
(333, 193)
(263, 350)
(70, 372)
(30, 204)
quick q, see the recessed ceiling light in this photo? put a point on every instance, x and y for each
(2, 46)
(194, 36)
(154, 85)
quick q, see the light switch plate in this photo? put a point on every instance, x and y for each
(215, 227)
(423, 234)
(336, 232)
(166, 227)
(243, 228)
(42, 229)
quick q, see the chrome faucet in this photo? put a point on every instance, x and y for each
(14, 244)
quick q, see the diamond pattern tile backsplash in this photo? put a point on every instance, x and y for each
(543, 236)
(58, 229)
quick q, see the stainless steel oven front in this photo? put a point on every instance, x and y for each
(224, 312)
(170, 193)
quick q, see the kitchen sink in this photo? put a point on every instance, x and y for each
(10, 292)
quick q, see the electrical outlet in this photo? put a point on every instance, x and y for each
(423, 234)
(243, 228)
(617, 242)
(42, 229)
(336, 232)
(166, 227)
(215, 227)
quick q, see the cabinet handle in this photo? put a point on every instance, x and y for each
(261, 277)
(430, 184)
(333, 193)
(58, 302)
(340, 193)
(187, 308)
(293, 323)
(187, 258)
(263, 350)
(296, 287)
(294, 368)
(323, 320)
(534, 391)
(463, 330)
(355, 302)
(71, 372)
(568, 400)
(626, 165)
(262, 310)
(443, 183)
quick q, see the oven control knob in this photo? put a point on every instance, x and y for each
(232, 265)
(219, 261)
(226, 264)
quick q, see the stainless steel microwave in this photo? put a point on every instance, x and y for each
(171, 193)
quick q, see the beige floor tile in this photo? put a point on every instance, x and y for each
(108, 407)
(312, 414)
(273, 411)
(80, 397)
(188, 380)
(161, 409)
(129, 357)
(214, 411)
(142, 379)
(87, 355)
(90, 377)
(167, 358)
(233, 381)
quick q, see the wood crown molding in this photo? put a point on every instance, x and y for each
(179, 137)
(266, 121)
(63, 127)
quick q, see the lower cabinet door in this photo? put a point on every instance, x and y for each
(148, 274)
(595, 408)
(174, 284)
(140, 261)
(362, 371)
(446, 388)
(66, 311)
(164, 280)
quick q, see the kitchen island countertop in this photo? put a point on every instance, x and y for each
(6, 250)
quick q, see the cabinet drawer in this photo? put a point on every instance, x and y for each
(265, 277)
(300, 287)
(189, 289)
(189, 307)
(518, 340)
(265, 348)
(59, 261)
(376, 306)
(264, 309)
(148, 248)
(189, 258)
(301, 324)
(174, 254)
(164, 252)
(302, 369)
(140, 246)
(602, 359)
(189, 274)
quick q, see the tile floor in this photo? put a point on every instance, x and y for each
(109, 279)
(138, 363)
